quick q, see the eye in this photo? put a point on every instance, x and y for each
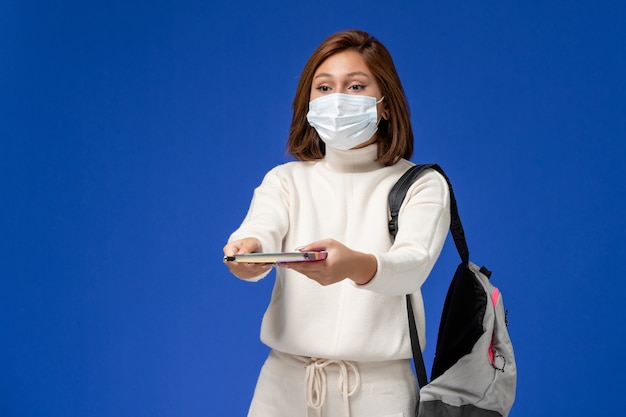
(356, 87)
(323, 88)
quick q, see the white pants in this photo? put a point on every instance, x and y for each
(294, 386)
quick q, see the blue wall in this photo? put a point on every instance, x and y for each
(133, 133)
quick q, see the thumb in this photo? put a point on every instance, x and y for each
(249, 245)
(320, 245)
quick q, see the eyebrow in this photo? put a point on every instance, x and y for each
(351, 74)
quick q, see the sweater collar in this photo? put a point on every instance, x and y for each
(353, 160)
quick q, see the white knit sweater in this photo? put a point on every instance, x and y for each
(344, 197)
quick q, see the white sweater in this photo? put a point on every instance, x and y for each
(344, 197)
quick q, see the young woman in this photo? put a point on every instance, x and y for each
(338, 327)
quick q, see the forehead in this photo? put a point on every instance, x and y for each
(341, 63)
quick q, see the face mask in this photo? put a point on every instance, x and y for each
(344, 121)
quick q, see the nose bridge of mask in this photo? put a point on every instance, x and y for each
(344, 107)
(343, 104)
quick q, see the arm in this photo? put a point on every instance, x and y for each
(424, 221)
(262, 229)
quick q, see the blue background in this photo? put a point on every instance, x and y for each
(132, 135)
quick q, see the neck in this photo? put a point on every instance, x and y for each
(353, 160)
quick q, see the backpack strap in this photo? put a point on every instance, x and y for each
(398, 192)
(396, 197)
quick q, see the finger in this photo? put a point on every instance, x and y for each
(231, 249)
(249, 245)
(245, 271)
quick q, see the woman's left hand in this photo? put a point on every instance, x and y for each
(341, 263)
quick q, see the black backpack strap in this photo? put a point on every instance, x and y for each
(396, 197)
(418, 358)
(398, 192)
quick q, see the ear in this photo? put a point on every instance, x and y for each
(385, 113)
(382, 109)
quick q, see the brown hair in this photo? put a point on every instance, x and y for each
(395, 135)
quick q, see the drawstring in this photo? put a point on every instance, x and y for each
(315, 383)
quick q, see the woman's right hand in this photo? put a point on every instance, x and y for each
(245, 270)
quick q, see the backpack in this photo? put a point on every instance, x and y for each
(474, 371)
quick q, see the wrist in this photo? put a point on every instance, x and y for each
(366, 268)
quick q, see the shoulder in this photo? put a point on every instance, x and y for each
(430, 185)
(428, 175)
(292, 166)
(287, 171)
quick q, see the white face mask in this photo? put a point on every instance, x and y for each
(344, 121)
